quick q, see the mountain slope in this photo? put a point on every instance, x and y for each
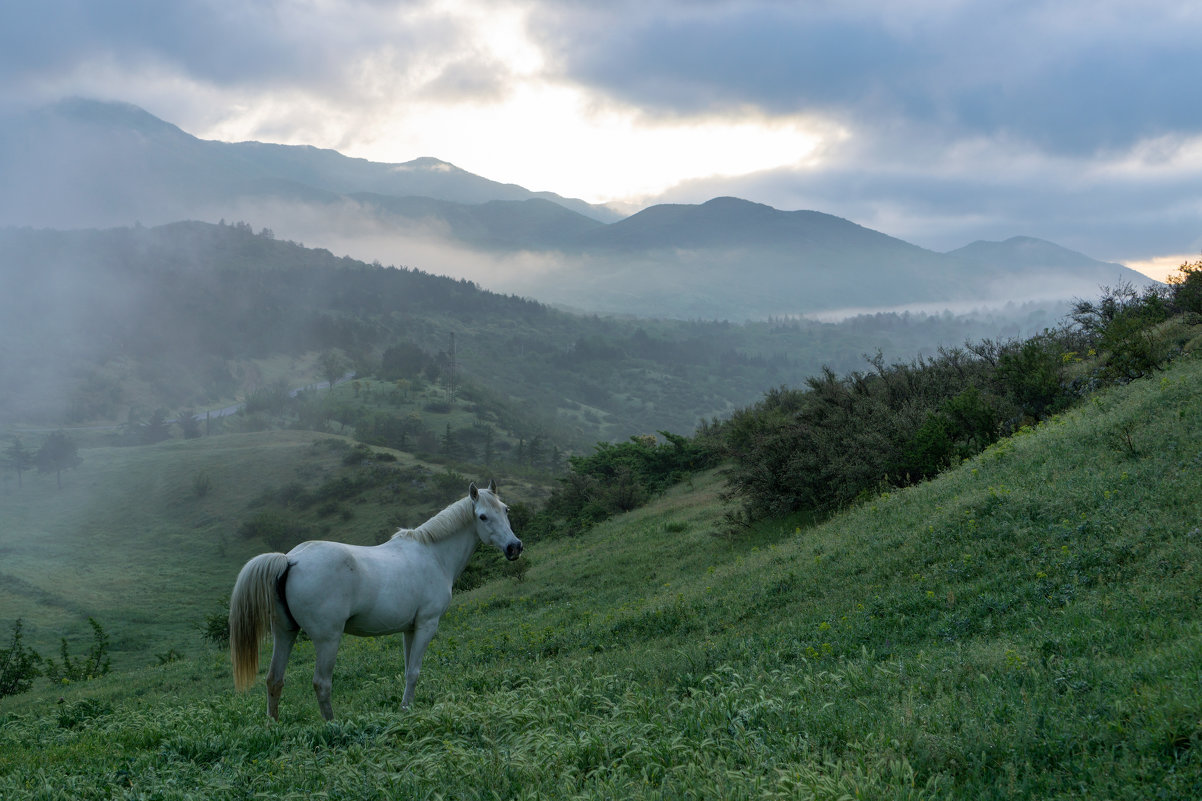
(1024, 626)
(508, 225)
(1024, 256)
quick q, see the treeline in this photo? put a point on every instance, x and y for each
(619, 477)
(822, 446)
(819, 447)
(93, 323)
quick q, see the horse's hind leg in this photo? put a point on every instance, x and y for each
(282, 640)
(323, 673)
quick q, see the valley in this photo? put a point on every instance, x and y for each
(774, 547)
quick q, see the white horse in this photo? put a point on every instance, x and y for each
(328, 588)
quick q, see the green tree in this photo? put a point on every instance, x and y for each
(404, 360)
(19, 457)
(332, 367)
(156, 429)
(189, 424)
(58, 453)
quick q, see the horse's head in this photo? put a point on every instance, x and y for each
(492, 520)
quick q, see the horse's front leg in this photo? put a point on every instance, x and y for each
(323, 673)
(415, 648)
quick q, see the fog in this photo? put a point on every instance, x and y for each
(350, 228)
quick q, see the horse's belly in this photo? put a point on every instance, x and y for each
(377, 625)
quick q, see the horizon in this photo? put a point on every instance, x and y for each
(940, 125)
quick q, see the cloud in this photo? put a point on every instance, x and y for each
(224, 43)
(938, 121)
(1067, 77)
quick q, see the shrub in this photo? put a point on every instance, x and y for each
(216, 627)
(202, 484)
(619, 477)
(1122, 327)
(1031, 373)
(1186, 287)
(93, 664)
(18, 664)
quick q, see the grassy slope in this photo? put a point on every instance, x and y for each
(1025, 626)
(129, 541)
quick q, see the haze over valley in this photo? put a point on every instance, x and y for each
(83, 163)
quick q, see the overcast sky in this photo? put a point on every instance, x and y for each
(937, 121)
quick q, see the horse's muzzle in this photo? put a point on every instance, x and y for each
(513, 550)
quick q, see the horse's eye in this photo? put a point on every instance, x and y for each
(484, 517)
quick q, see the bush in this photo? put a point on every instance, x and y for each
(1187, 287)
(1031, 372)
(216, 627)
(820, 448)
(18, 664)
(202, 484)
(620, 477)
(95, 663)
(1122, 325)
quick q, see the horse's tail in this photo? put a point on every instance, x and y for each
(252, 608)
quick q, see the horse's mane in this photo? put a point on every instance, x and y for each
(442, 525)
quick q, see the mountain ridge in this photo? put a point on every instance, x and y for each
(83, 163)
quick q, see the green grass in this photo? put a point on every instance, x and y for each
(1025, 626)
(129, 540)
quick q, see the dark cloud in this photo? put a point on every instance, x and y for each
(1070, 77)
(220, 43)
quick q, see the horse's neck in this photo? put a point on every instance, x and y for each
(454, 551)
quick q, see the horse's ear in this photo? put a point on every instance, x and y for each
(492, 486)
(472, 492)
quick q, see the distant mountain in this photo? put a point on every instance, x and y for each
(734, 259)
(727, 222)
(1024, 254)
(83, 163)
(533, 224)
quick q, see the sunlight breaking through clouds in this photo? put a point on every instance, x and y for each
(489, 105)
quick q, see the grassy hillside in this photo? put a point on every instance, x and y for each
(1024, 626)
(147, 540)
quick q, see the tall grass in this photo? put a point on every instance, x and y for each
(1024, 626)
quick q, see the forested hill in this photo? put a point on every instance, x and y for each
(194, 315)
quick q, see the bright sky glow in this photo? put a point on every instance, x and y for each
(1161, 267)
(554, 137)
(538, 132)
(937, 121)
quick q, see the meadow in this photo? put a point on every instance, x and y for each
(1023, 626)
